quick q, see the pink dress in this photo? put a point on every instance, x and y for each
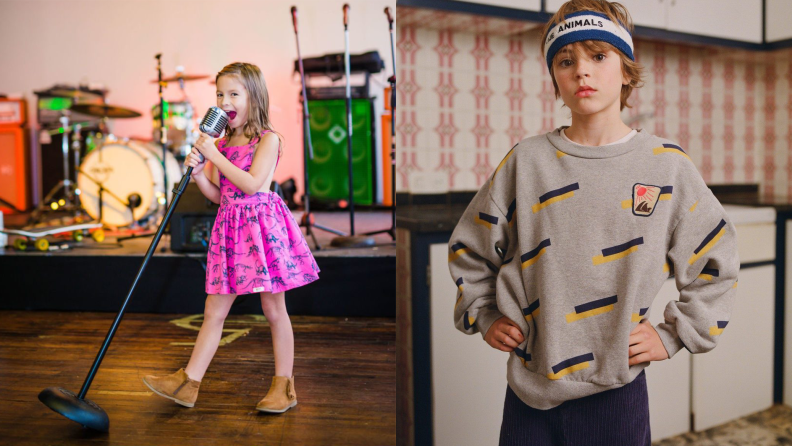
(256, 245)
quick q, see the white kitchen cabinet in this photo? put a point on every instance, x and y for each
(726, 19)
(668, 381)
(650, 13)
(468, 376)
(788, 318)
(778, 14)
(736, 378)
(528, 5)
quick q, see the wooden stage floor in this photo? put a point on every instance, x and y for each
(344, 378)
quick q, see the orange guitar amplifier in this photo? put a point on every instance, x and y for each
(14, 159)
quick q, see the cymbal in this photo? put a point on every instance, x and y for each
(76, 94)
(184, 77)
(102, 110)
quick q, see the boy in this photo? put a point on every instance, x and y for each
(561, 252)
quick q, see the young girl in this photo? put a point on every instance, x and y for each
(560, 254)
(256, 246)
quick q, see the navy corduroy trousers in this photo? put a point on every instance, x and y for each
(613, 417)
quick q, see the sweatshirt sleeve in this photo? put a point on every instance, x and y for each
(475, 255)
(703, 253)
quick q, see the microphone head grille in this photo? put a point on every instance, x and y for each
(214, 122)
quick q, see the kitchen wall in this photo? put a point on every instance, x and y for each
(471, 87)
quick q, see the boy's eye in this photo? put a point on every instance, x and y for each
(600, 54)
(563, 62)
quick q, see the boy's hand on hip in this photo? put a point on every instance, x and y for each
(504, 335)
(645, 345)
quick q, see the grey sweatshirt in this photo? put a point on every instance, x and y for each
(573, 243)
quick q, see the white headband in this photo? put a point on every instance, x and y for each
(587, 25)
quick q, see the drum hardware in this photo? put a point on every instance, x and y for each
(102, 190)
(67, 203)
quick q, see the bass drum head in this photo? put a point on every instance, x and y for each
(124, 168)
(172, 166)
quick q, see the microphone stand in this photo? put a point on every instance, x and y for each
(351, 240)
(307, 219)
(392, 81)
(76, 407)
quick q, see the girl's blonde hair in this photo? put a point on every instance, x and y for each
(617, 13)
(258, 100)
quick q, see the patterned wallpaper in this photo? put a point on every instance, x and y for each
(471, 87)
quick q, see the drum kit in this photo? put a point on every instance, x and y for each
(120, 181)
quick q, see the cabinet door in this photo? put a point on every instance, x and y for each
(736, 377)
(468, 376)
(778, 14)
(731, 19)
(528, 5)
(788, 317)
(650, 13)
(668, 381)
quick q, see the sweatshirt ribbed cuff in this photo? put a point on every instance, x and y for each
(486, 317)
(669, 337)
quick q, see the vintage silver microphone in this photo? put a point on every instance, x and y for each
(213, 124)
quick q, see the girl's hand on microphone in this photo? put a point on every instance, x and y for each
(205, 145)
(194, 160)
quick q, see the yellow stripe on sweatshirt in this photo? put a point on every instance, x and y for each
(707, 247)
(568, 370)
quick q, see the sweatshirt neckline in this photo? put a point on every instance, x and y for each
(606, 151)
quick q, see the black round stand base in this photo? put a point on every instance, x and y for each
(84, 412)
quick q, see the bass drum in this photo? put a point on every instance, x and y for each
(125, 168)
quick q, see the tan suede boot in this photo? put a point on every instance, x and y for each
(177, 387)
(281, 396)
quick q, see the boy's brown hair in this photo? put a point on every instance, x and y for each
(617, 13)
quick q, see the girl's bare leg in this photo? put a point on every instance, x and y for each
(215, 312)
(274, 307)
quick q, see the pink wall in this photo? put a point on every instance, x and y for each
(466, 97)
(113, 42)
